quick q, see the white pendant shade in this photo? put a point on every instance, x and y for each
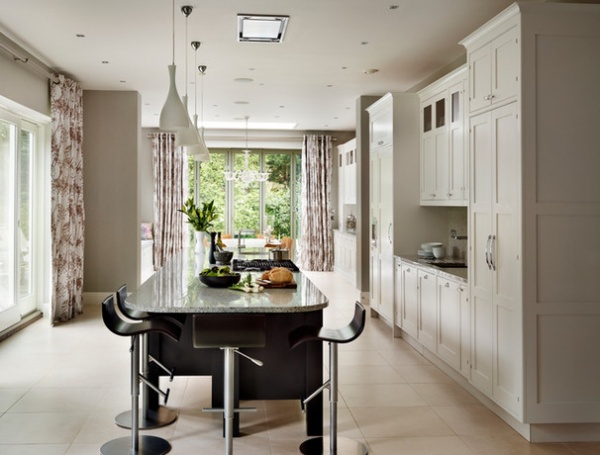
(187, 137)
(199, 151)
(173, 115)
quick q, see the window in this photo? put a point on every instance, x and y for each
(17, 247)
(255, 207)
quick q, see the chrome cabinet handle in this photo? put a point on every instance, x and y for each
(389, 233)
(487, 252)
(492, 246)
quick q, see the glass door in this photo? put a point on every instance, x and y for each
(17, 146)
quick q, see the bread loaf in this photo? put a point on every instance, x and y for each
(279, 275)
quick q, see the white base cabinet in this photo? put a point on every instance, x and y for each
(344, 251)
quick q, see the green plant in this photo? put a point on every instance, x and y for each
(201, 219)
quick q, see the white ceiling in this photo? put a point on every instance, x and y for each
(312, 79)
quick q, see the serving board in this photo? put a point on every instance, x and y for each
(268, 285)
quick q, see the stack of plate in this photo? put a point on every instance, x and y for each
(426, 251)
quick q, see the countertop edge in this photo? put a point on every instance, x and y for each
(458, 273)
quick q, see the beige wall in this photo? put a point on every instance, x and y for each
(23, 87)
(111, 145)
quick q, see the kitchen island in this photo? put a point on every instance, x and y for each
(287, 374)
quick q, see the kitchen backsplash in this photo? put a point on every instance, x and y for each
(457, 220)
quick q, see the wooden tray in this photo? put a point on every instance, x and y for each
(268, 285)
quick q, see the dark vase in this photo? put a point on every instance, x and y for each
(211, 251)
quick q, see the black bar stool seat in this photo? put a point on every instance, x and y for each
(319, 445)
(229, 332)
(136, 444)
(162, 416)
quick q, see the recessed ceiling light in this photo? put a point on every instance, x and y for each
(80, 35)
(364, 43)
(243, 79)
(241, 102)
(394, 7)
(370, 71)
(261, 29)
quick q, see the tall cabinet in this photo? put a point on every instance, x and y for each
(534, 195)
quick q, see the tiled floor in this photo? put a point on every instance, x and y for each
(61, 387)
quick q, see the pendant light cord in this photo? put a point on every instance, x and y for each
(173, 28)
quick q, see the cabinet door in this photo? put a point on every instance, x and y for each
(410, 299)
(428, 167)
(427, 298)
(381, 128)
(457, 151)
(494, 71)
(398, 293)
(449, 322)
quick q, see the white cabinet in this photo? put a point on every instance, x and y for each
(344, 251)
(444, 158)
(382, 242)
(409, 299)
(427, 304)
(494, 71)
(534, 194)
(453, 324)
(346, 175)
(381, 126)
(494, 256)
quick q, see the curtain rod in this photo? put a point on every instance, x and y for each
(21, 55)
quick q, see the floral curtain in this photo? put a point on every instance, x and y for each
(170, 170)
(67, 212)
(317, 240)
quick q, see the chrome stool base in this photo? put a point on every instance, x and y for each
(162, 418)
(147, 445)
(321, 446)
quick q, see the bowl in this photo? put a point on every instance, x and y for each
(430, 245)
(222, 281)
(223, 257)
(439, 252)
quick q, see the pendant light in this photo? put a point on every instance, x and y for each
(246, 176)
(200, 151)
(173, 115)
(187, 137)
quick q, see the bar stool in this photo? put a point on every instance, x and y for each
(229, 332)
(346, 334)
(136, 444)
(162, 416)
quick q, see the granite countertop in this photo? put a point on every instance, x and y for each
(460, 273)
(176, 288)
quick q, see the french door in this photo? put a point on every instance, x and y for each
(18, 140)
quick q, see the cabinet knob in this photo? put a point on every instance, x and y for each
(447, 284)
(426, 277)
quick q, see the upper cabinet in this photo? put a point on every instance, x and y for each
(444, 163)
(494, 71)
(381, 128)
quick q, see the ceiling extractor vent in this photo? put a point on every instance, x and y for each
(260, 28)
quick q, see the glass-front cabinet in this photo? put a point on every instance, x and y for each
(443, 152)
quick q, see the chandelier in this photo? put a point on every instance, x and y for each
(246, 175)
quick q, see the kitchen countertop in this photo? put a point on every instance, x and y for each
(176, 288)
(460, 273)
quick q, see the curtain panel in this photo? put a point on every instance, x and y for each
(317, 238)
(67, 211)
(169, 165)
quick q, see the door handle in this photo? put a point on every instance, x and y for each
(389, 233)
(492, 246)
(487, 252)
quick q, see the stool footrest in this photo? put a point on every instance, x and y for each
(326, 385)
(171, 371)
(156, 389)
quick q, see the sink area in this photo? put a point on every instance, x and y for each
(446, 263)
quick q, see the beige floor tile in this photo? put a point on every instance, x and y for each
(396, 422)
(375, 374)
(468, 420)
(513, 445)
(40, 428)
(403, 356)
(432, 445)
(9, 396)
(36, 449)
(444, 394)
(422, 374)
(380, 395)
(360, 358)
